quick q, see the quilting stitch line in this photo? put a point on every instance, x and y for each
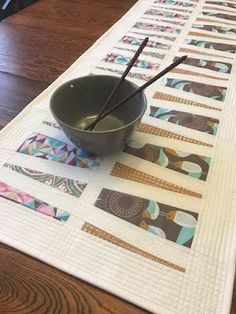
(101, 234)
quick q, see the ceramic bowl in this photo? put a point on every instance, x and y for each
(77, 103)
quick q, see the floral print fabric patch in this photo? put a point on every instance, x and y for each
(189, 120)
(19, 197)
(195, 166)
(50, 148)
(163, 220)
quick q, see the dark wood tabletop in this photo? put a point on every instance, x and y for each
(36, 45)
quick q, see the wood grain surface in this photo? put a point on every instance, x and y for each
(36, 46)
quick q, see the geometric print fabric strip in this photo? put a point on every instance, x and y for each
(49, 148)
(65, 185)
(195, 166)
(188, 120)
(166, 14)
(169, 222)
(19, 197)
(156, 28)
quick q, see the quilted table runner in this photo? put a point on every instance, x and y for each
(154, 224)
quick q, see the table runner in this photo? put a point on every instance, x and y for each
(155, 223)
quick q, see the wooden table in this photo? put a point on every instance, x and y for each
(36, 46)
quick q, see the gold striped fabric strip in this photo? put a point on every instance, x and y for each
(207, 35)
(125, 172)
(149, 129)
(106, 236)
(172, 98)
(202, 19)
(187, 72)
(202, 53)
(217, 9)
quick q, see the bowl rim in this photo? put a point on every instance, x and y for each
(97, 132)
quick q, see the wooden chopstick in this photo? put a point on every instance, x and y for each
(138, 90)
(131, 63)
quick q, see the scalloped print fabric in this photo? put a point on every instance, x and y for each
(201, 89)
(69, 186)
(193, 165)
(193, 121)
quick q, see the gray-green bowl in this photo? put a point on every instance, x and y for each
(75, 104)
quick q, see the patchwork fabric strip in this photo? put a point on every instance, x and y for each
(135, 41)
(195, 166)
(138, 76)
(194, 73)
(211, 36)
(153, 34)
(216, 29)
(69, 186)
(225, 4)
(189, 120)
(211, 45)
(157, 28)
(152, 18)
(220, 16)
(49, 148)
(203, 53)
(126, 172)
(22, 198)
(217, 66)
(165, 221)
(205, 90)
(168, 14)
(180, 100)
(106, 236)
(177, 2)
(155, 5)
(120, 59)
(144, 53)
(150, 129)
(207, 20)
